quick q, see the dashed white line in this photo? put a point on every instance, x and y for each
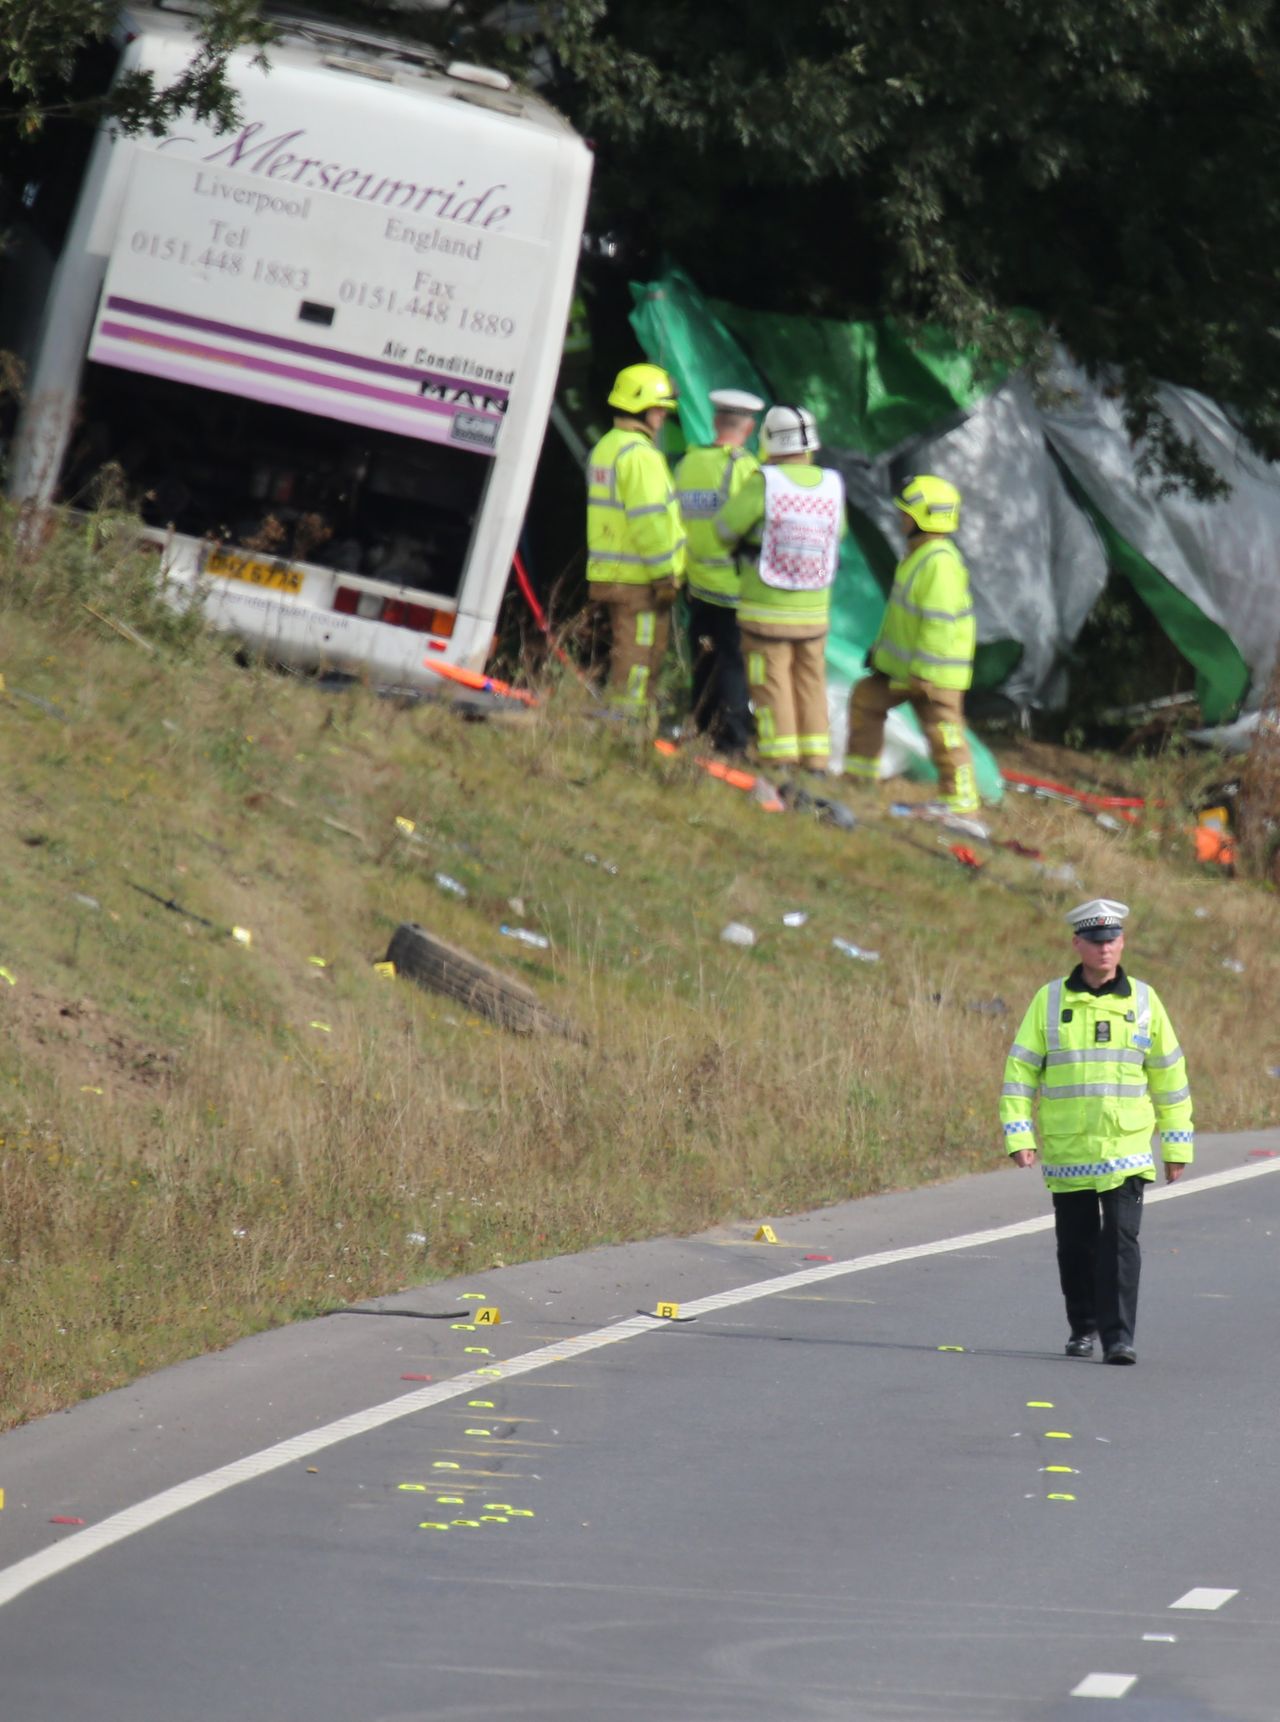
(24, 1574)
(1104, 1686)
(1204, 1597)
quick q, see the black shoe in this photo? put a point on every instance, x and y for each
(1080, 1345)
(1120, 1354)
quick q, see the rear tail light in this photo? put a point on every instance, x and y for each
(398, 613)
(420, 617)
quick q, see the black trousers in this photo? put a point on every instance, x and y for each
(1099, 1259)
(721, 698)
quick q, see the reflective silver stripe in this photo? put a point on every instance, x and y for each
(1053, 1015)
(722, 600)
(1083, 1169)
(649, 508)
(1165, 1063)
(1019, 1090)
(1142, 1001)
(1090, 1090)
(892, 651)
(1095, 1055)
(1025, 1054)
(625, 556)
(930, 615)
(1174, 1099)
(941, 663)
(603, 502)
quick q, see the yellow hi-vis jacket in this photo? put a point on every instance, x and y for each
(740, 525)
(928, 627)
(1107, 1070)
(705, 479)
(634, 531)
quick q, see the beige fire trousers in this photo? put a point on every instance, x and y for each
(640, 621)
(788, 681)
(941, 715)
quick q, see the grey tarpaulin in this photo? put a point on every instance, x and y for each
(1223, 556)
(1036, 561)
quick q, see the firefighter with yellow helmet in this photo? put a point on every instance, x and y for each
(635, 537)
(924, 653)
(785, 527)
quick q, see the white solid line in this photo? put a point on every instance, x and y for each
(1104, 1686)
(1204, 1597)
(24, 1574)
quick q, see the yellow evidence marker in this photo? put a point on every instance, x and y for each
(386, 970)
(487, 1317)
(668, 1312)
(766, 1235)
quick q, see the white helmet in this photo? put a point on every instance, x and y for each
(788, 430)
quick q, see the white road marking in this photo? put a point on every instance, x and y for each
(1159, 1638)
(59, 1557)
(1104, 1686)
(1204, 1597)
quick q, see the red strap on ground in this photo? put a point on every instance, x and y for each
(1085, 795)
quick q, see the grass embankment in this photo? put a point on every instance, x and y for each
(201, 1138)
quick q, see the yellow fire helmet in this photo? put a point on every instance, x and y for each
(932, 503)
(639, 387)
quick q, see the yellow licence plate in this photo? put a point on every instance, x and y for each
(228, 566)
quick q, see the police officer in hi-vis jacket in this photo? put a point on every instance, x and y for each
(1098, 1052)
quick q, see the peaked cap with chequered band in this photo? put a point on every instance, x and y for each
(1098, 920)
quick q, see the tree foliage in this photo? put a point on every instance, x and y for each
(1109, 165)
(40, 41)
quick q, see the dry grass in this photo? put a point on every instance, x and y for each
(186, 1156)
(1260, 793)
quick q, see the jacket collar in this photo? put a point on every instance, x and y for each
(1119, 986)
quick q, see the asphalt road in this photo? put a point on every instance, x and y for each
(827, 1496)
